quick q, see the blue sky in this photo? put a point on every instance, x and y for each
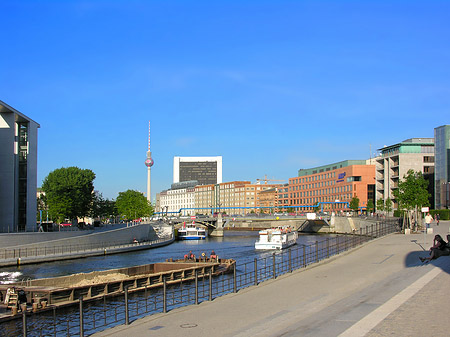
(272, 86)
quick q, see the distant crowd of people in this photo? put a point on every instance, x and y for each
(191, 256)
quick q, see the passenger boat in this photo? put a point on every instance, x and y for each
(191, 232)
(66, 290)
(276, 238)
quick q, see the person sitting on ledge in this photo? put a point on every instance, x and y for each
(213, 256)
(440, 248)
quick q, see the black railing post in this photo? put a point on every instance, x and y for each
(256, 272)
(127, 318)
(317, 251)
(360, 235)
(328, 248)
(290, 260)
(164, 295)
(234, 279)
(196, 287)
(24, 322)
(304, 256)
(81, 317)
(274, 266)
(210, 284)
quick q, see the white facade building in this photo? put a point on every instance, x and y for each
(180, 197)
(18, 171)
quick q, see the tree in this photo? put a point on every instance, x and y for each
(412, 195)
(354, 204)
(69, 192)
(102, 208)
(133, 204)
(380, 204)
(370, 206)
(388, 205)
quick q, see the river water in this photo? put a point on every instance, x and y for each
(238, 245)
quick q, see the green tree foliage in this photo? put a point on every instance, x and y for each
(370, 206)
(354, 204)
(68, 192)
(412, 194)
(133, 204)
(103, 208)
(388, 205)
(380, 204)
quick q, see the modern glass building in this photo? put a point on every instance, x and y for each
(18, 171)
(442, 166)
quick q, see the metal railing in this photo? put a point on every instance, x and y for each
(68, 249)
(97, 315)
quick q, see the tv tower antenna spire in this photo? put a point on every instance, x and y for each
(149, 163)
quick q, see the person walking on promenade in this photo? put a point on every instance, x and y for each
(437, 218)
(428, 219)
(440, 248)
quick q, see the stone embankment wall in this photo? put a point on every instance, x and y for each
(142, 232)
(333, 225)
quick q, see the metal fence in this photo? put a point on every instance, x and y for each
(97, 315)
(68, 249)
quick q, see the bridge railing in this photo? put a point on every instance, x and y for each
(97, 315)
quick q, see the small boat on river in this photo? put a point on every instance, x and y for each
(276, 238)
(192, 232)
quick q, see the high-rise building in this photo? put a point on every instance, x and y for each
(395, 161)
(206, 170)
(18, 170)
(442, 166)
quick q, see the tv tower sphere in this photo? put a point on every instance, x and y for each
(149, 162)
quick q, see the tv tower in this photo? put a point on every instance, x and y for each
(149, 163)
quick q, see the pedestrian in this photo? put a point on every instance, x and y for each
(438, 217)
(428, 219)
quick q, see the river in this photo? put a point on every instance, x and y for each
(238, 245)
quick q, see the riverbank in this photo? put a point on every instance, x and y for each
(378, 289)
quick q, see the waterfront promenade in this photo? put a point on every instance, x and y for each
(378, 289)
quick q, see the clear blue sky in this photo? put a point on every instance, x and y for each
(272, 86)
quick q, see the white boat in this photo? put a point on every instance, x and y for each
(276, 238)
(191, 232)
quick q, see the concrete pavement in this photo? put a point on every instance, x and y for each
(378, 289)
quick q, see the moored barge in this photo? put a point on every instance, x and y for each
(67, 290)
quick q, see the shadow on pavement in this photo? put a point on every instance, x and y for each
(412, 259)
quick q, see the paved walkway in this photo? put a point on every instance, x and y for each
(380, 289)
